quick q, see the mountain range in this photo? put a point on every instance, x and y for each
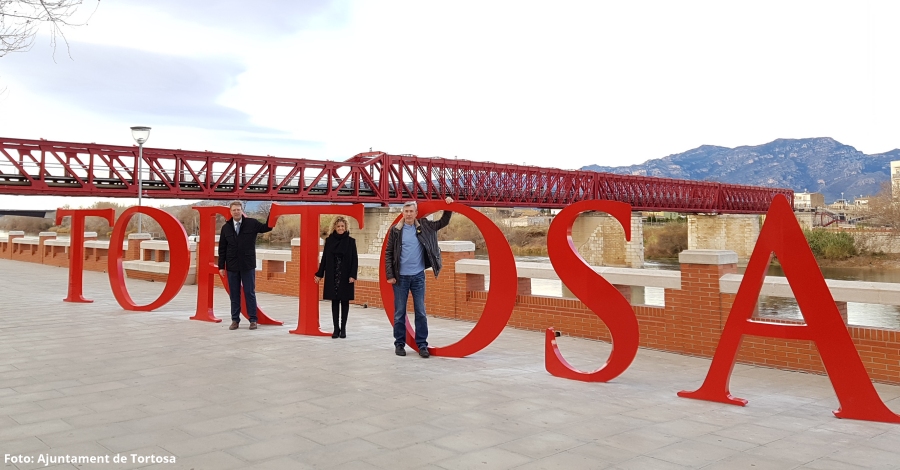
(819, 164)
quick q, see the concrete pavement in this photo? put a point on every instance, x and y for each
(94, 380)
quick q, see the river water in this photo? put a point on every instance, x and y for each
(874, 315)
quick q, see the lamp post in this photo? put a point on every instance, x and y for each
(140, 135)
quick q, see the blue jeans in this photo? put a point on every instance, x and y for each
(247, 279)
(405, 284)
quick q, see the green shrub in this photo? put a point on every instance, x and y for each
(829, 244)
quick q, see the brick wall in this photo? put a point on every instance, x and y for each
(55, 255)
(145, 276)
(27, 252)
(6, 248)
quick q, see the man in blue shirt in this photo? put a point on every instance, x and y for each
(412, 248)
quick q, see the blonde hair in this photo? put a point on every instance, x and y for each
(338, 220)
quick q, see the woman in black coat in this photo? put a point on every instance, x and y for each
(339, 269)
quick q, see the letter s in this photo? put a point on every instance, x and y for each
(596, 292)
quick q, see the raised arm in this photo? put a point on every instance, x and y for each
(264, 227)
(445, 217)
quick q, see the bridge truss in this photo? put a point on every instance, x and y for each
(40, 167)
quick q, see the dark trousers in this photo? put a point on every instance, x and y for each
(415, 285)
(344, 306)
(247, 280)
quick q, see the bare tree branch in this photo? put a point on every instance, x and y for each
(884, 208)
(21, 20)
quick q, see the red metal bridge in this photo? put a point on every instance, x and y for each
(40, 167)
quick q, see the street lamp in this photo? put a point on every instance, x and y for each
(140, 135)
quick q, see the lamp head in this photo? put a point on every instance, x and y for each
(140, 134)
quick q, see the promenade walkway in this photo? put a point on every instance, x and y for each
(95, 380)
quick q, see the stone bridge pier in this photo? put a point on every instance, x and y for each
(734, 232)
(601, 240)
(377, 221)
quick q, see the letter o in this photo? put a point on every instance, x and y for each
(179, 258)
(501, 296)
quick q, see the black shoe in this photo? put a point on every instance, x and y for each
(336, 333)
(343, 333)
(423, 351)
(400, 351)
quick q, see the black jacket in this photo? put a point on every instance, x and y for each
(426, 232)
(349, 268)
(238, 252)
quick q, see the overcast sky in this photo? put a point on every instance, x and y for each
(562, 84)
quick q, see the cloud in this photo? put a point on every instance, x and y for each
(260, 16)
(136, 85)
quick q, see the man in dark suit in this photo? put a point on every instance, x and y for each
(237, 261)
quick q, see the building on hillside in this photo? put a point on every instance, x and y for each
(839, 204)
(808, 201)
(895, 179)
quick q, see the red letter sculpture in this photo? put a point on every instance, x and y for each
(597, 293)
(782, 236)
(308, 317)
(76, 246)
(501, 294)
(179, 258)
(207, 267)
(207, 264)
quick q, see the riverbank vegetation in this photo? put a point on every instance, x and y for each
(529, 240)
(830, 244)
(664, 241)
(29, 225)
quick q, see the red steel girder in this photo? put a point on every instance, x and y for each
(40, 167)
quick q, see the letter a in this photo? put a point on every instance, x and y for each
(824, 326)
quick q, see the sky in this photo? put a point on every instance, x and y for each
(561, 84)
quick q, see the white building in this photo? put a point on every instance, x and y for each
(895, 179)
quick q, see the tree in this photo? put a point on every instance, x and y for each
(20, 21)
(884, 209)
